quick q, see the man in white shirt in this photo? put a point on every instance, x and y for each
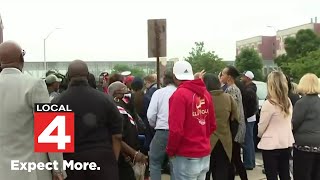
(158, 114)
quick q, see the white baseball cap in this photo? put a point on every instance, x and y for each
(183, 71)
(249, 74)
(52, 79)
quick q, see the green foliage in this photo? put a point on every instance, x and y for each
(302, 54)
(249, 60)
(305, 41)
(309, 63)
(200, 59)
(135, 71)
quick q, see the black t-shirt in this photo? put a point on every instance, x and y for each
(96, 116)
(129, 127)
(129, 133)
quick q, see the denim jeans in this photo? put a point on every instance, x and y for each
(185, 168)
(158, 154)
(249, 159)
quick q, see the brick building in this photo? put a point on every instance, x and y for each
(269, 47)
(266, 46)
(291, 32)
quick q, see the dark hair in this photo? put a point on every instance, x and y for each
(289, 83)
(212, 82)
(233, 72)
(137, 84)
(168, 78)
(115, 77)
(92, 81)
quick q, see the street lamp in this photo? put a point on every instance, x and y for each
(274, 28)
(44, 49)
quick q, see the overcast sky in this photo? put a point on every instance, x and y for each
(106, 30)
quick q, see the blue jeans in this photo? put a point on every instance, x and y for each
(249, 159)
(190, 168)
(158, 154)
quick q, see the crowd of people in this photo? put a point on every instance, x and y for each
(196, 124)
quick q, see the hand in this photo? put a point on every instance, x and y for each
(199, 75)
(57, 176)
(141, 158)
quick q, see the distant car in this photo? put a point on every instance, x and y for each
(262, 92)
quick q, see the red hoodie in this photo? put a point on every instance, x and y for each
(191, 120)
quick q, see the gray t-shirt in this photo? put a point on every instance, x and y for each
(53, 95)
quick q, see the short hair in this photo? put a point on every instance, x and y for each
(309, 84)
(212, 82)
(168, 78)
(115, 77)
(137, 84)
(233, 72)
(151, 78)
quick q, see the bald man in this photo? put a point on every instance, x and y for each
(98, 126)
(18, 93)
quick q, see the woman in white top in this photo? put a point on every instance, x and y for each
(275, 128)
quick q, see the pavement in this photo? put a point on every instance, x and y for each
(255, 174)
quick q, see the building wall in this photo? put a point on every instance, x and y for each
(268, 47)
(317, 28)
(253, 42)
(36, 69)
(290, 32)
(264, 45)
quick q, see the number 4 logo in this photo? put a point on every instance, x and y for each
(61, 139)
(54, 131)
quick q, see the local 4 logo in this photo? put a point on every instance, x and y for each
(53, 128)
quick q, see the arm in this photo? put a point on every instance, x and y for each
(177, 111)
(135, 155)
(212, 117)
(115, 127)
(116, 145)
(235, 114)
(39, 94)
(298, 115)
(265, 117)
(153, 109)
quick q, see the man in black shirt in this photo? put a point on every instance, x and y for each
(98, 126)
(250, 107)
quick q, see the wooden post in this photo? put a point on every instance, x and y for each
(158, 53)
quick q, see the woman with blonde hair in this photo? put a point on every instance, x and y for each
(306, 129)
(275, 128)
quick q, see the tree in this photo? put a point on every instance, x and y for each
(200, 59)
(250, 60)
(135, 71)
(306, 64)
(299, 54)
(305, 41)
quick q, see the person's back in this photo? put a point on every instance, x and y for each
(191, 122)
(17, 95)
(98, 126)
(192, 117)
(306, 126)
(92, 116)
(225, 111)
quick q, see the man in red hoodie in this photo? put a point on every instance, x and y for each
(191, 122)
